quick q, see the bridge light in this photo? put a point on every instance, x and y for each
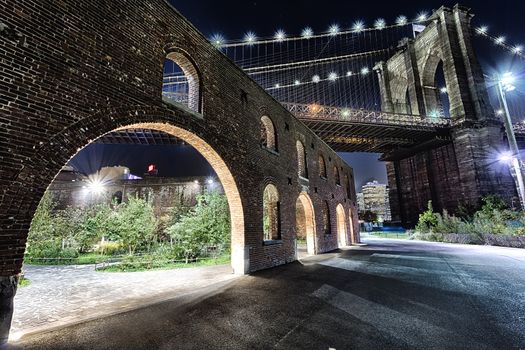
(334, 29)
(422, 16)
(443, 90)
(333, 76)
(434, 114)
(358, 26)
(380, 23)
(314, 108)
(277, 86)
(280, 35)
(365, 70)
(316, 79)
(517, 49)
(401, 20)
(349, 73)
(482, 30)
(210, 181)
(307, 33)
(345, 113)
(499, 112)
(500, 40)
(217, 40)
(297, 82)
(250, 38)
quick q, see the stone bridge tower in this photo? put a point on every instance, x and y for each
(463, 170)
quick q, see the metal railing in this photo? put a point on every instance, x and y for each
(319, 112)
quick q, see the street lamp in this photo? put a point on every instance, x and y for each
(95, 186)
(506, 84)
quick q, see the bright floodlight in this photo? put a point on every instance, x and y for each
(307, 33)
(507, 80)
(443, 90)
(210, 181)
(434, 114)
(280, 35)
(499, 112)
(401, 20)
(95, 186)
(358, 26)
(365, 70)
(422, 16)
(332, 76)
(500, 40)
(250, 37)
(505, 157)
(380, 23)
(316, 78)
(217, 40)
(334, 29)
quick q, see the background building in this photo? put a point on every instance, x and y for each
(374, 198)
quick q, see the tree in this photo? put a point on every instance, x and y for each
(208, 223)
(98, 221)
(136, 223)
(427, 220)
(368, 216)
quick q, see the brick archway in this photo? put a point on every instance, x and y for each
(341, 226)
(305, 209)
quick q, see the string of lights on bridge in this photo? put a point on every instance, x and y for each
(280, 36)
(501, 41)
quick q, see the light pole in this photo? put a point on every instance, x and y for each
(505, 85)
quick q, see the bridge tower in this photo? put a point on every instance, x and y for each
(464, 170)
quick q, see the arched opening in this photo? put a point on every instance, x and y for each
(327, 225)
(400, 99)
(337, 177)
(161, 245)
(268, 134)
(305, 226)
(271, 214)
(181, 81)
(322, 167)
(353, 236)
(341, 226)
(302, 166)
(435, 88)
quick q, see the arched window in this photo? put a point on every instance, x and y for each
(322, 167)
(435, 88)
(271, 216)
(337, 178)
(327, 228)
(302, 167)
(268, 134)
(181, 83)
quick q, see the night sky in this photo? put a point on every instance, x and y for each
(234, 18)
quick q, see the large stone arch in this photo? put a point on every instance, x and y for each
(342, 235)
(305, 204)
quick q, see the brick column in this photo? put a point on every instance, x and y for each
(8, 285)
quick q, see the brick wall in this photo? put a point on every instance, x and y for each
(72, 71)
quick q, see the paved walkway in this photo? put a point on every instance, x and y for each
(60, 295)
(390, 294)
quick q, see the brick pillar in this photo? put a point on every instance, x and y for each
(8, 285)
(384, 87)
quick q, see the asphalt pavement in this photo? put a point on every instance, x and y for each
(389, 294)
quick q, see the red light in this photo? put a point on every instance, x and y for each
(151, 168)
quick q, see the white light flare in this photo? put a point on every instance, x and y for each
(334, 29)
(358, 26)
(307, 33)
(217, 40)
(500, 40)
(422, 16)
(401, 20)
(365, 70)
(380, 23)
(333, 76)
(280, 35)
(482, 29)
(316, 79)
(250, 38)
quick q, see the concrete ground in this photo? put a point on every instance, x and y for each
(390, 294)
